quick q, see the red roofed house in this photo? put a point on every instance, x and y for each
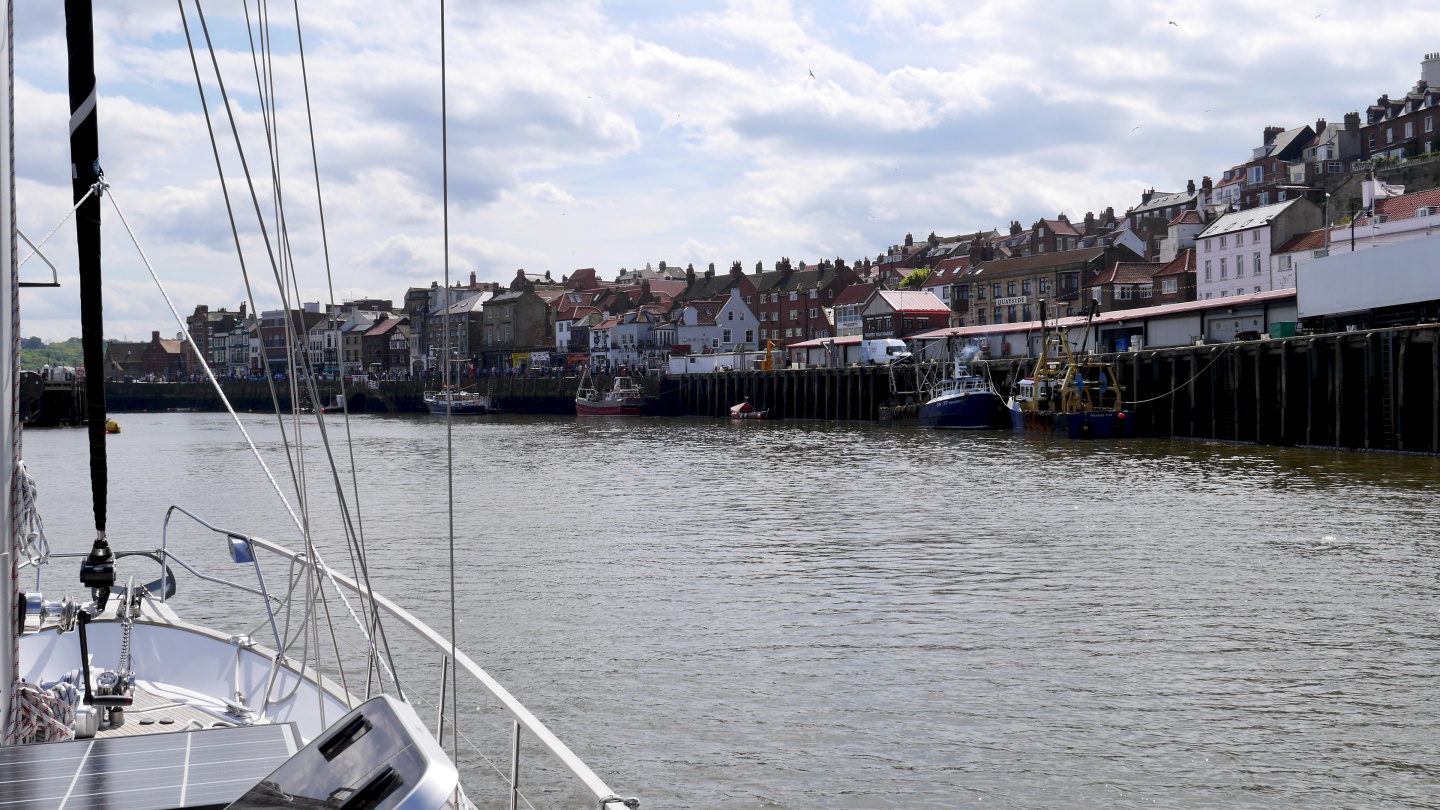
(897, 314)
(1175, 281)
(1125, 285)
(164, 359)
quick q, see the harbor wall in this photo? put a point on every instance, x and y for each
(1376, 390)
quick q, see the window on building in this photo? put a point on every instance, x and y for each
(998, 318)
(730, 316)
(980, 292)
(1025, 287)
(1010, 314)
(963, 290)
(714, 343)
(1223, 272)
(812, 312)
(1370, 140)
(1257, 173)
(1409, 129)
(749, 336)
(1255, 264)
(1169, 286)
(1222, 240)
(995, 288)
(980, 317)
(1239, 266)
(1263, 198)
(1044, 285)
(1333, 167)
(1257, 288)
(1223, 294)
(1207, 245)
(1122, 292)
(794, 295)
(1430, 124)
(909, 324)
(725, 336)
(1389, 135)
(1027, 314)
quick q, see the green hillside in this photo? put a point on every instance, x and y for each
(35, 353)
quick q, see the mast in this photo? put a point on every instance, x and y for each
(84, 172)
(9, 370)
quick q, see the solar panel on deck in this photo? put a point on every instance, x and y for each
(178, 769)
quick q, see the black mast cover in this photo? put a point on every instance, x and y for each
(84, 171)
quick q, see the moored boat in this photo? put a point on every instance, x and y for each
(747, 411)
(964, 401)
(457, 403)
(1071, 394)
(624, 399)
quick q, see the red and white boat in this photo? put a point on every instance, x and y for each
(747, 411)
(624, 399)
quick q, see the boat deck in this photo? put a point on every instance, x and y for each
(157, 714)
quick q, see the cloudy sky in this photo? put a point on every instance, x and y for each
(608, 135)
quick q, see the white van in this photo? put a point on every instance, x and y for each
(882, 351)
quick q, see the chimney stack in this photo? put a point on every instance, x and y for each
(1352, 122)
(1430, 69)
(909, 240)
(1271, 132)
(155, 336)
(1190, 186)
(1320, 125)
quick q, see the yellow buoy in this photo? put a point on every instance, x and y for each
(112, 426)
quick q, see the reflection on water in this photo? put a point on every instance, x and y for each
(813, 616)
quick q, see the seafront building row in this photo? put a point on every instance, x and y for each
(1232, 247)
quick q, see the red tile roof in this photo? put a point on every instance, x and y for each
(1188, 217)
(1403, 207)
(854, 294)
(1127, 273)
(1313, 240)
(907, 301)
(1184, 263)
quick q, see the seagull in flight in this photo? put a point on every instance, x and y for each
(1317, 16)
(1136, 128)
(812, 74)
(1172, 22)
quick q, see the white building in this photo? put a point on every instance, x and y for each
(707, 327)
(1397, 218)
(1181, 234)
(1233, 253)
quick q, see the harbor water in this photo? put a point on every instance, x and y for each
(807, 615)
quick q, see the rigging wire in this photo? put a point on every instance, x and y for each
(288, 279)
(449, 394)
(316, 561)
(367, 637)
(330, 288)
(364, 572)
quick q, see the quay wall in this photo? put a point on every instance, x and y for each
(1377, 390)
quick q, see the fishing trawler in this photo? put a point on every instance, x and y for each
(457, 403)
(1070, 393)
(964, 401)
(138, 706)
(625, 398)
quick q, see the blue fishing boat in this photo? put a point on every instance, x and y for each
(964, 401)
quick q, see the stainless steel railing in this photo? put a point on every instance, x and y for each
(242, 551)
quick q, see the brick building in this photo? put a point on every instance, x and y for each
(899, 314)
(1408, 126)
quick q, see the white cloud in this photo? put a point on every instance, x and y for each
(585, 134)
